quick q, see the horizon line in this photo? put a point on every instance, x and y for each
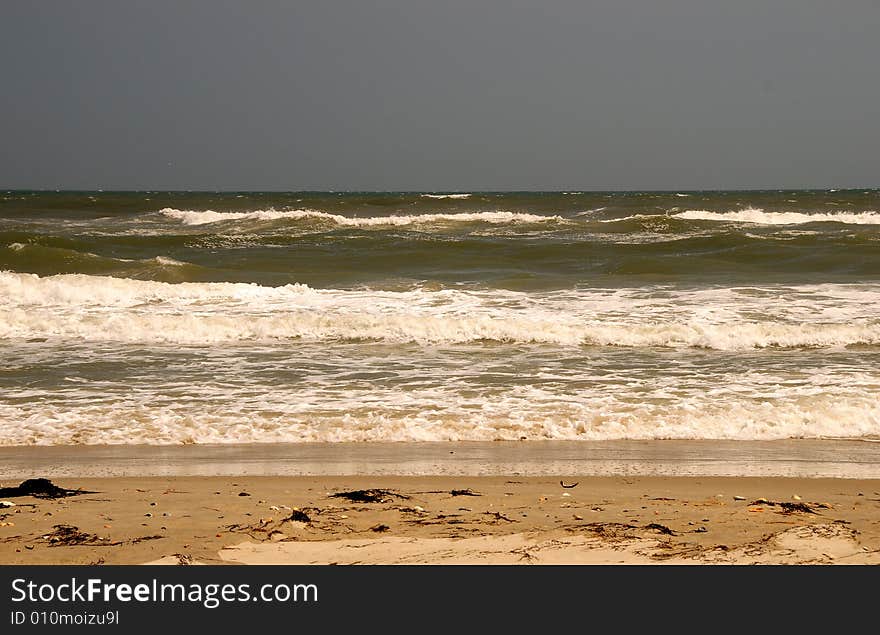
(442, 191)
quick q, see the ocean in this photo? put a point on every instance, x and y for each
(173, 318)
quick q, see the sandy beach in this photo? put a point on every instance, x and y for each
(445, 520)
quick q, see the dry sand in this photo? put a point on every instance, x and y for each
(418, 519)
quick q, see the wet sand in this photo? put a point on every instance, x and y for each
(443, 519)
(831, 458)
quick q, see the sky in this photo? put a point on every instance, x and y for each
(451, 95)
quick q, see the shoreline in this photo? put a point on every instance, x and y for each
(802, 458)
(612, 502)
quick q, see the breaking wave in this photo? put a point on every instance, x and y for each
(760, 217)
(136, 311)
(191, 217)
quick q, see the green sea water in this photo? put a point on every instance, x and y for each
(197, 317)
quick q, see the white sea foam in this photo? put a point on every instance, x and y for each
(276, 375)
(459, 196)
(168, 262)
(591, 211)
(433, 414)
(757, 216)
(191, 217)
(760, 217)
(116, 309)
(196, 328)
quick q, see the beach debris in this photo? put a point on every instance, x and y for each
(369, 495)
(568, 486)
(243, 494)
(739, 498)
(7, 524)
(663, 529)
(40, 488)
(6, 504)
(796, 497)
(464, 492)
(609, 530)
(380, 528)
(148, 515)
(700, 530)
(566, 494)
(66, 535)
(578, 517)
(500, 516)
(789, 508)
(278, 508)
(135, 541)
(299, 516)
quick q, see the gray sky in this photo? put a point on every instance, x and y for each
(439, 95)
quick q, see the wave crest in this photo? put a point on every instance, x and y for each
(192, 217)
(758, 216)
(119, 309)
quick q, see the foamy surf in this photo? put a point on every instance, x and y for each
(533, 414)
(191, 217)
(96, 308)
(200, 329)
(760, 217)
(755, 216)
(264, 317)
